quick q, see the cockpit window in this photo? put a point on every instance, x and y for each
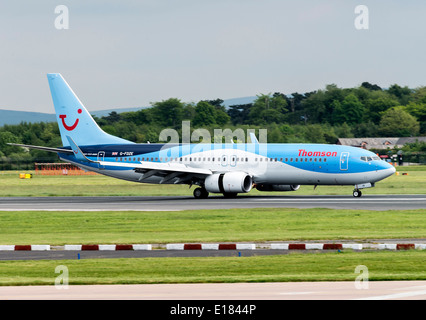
(369, 158)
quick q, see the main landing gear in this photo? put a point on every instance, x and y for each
(200, 193)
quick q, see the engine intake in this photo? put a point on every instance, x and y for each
(277, 187)
(229, 182)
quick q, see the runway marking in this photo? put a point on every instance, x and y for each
(88, 210)
(295, 293)
(397, 295)
(340, 200)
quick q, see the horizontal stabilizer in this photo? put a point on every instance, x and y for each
(41, 148)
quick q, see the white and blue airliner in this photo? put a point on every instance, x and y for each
(227, 168)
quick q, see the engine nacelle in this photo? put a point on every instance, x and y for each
(277, 187)
(229, 182)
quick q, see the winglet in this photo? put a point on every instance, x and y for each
(77, 151)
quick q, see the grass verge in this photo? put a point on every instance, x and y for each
(269, 224)
(40, 186)
(333, 266)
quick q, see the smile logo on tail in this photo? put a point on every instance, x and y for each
(69, 128)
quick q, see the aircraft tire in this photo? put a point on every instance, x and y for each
(200, 193)
(357, 193)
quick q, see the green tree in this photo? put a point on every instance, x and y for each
(268, 109)
(376, 104)
(353, 109)
(403, 94)
(314, 107)
(168, 113)
(5, 138)
(418, 110)
(398, 123)
(240, 114)
(205, 114)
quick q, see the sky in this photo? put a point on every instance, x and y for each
(129, 53)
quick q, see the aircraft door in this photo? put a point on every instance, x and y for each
(344, 159)
(101, 157)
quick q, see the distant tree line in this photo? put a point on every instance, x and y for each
(320, 116)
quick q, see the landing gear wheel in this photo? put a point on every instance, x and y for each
(200, 193)
(357, 193)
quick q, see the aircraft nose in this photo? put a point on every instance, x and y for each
(388, 169)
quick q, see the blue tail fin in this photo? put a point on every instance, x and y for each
(73, 118)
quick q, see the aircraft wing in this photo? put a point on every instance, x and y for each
(167, 171)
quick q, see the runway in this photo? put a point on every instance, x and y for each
(385, 290)
(177, 203)
(341, 290)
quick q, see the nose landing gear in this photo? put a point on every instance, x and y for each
(357, 192)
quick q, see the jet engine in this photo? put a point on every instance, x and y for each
(229, 182)
(277, 187)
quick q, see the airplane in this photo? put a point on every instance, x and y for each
(226, 168)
